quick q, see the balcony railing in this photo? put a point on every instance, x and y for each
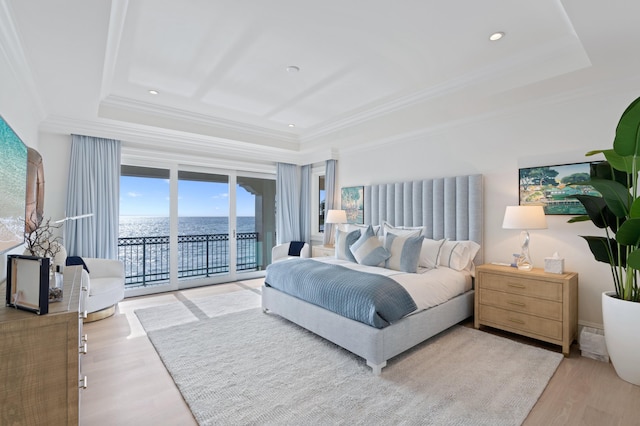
(146, 259)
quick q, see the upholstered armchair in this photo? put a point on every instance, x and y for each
(289, 250)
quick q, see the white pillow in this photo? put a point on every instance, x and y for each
(401, 231)
(458, 255)
(362, 228)
(430, 253)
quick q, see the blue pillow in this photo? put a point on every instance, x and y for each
(344, 241)
(405, 252)
(368, 250)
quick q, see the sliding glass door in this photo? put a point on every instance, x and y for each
(204, 228)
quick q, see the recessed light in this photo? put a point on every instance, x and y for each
(496, 36)
(153, 92)
(293, 69)
(292, 125)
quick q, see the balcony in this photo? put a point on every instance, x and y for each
(146, 259)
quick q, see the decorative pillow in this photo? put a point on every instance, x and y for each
(430, 253)
(368, 250)
(362, 228)
(458, 255)
(401, 231)
(405, 252)
(344, 241)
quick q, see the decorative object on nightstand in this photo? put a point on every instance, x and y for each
(524, 218)
(336, 217)
(530, 303)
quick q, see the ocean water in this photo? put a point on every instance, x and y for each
(13, 177)
(145, 226)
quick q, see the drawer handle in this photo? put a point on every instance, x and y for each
(517, 321)
(513, 302)
(516, 285)
(83, 383)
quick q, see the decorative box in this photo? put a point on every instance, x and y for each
(554, 265)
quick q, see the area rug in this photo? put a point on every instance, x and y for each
(252, 368)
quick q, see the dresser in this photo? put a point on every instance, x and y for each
(535, 303)
(40, 360)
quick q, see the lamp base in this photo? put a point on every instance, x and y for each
(524, 262)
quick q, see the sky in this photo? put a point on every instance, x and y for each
(150, 197)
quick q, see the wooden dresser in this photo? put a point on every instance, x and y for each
(40, 360)
(533, 303)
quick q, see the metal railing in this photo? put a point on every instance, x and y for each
(146, 259)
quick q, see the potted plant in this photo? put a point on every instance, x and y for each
(617, 211)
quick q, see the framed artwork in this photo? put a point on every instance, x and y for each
(28, 283)
(553, 187)
(353, 203)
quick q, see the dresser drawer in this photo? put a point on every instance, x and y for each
(521, 285)
(503, 318)
(525, 304)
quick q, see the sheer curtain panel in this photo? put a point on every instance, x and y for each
(94, 188)
(331, 199)
(287, 203)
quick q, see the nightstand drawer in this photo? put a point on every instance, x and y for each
(522, 322)
(521, 285)
(525, 304)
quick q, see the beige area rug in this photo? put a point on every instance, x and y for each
(252, 368)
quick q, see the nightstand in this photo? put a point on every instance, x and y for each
(322, 251)
(534, 303)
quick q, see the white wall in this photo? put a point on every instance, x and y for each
(554, 134)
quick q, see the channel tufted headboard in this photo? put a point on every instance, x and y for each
(449, 207)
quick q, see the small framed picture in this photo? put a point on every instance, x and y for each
(28, 283)
(553, 187)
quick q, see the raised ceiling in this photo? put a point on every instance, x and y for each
(220, 66)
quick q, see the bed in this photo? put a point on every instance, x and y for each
(447, 209)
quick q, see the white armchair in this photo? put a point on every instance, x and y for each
(281, 252)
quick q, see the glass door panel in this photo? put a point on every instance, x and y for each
(256, 223)
(203, 225)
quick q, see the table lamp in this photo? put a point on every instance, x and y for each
(524, 218)
(336, 217)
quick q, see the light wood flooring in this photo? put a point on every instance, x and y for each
(128, 384)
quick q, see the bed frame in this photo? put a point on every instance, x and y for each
(446, 208)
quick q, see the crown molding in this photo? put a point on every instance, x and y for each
(246, 131)
(11, 47)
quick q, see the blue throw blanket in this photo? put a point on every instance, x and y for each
(372, 299)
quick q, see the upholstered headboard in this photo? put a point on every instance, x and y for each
(446, 207)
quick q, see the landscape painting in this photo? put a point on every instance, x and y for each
(553, 187)
(353, 203)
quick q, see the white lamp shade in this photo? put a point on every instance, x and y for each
(336, 216)
(524, 217)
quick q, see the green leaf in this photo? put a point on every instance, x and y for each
(629, 233)
(583, 218)
(627, 140)
(595, 207)
(615, 194)
(605, 250)
(634, 259)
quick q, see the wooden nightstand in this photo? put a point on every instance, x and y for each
(322, 251)
(533, 303)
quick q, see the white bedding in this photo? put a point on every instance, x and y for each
(428, 288)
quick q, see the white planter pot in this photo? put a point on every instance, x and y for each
(621, 319)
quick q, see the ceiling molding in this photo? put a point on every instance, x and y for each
(494, 72)
(114, 37)
(285, 140)
(11, 46)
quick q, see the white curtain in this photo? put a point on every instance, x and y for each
(305, 203)
(287, 203)
(331, 200)
(94, 188)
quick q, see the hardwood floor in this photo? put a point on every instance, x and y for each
(128, 384)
